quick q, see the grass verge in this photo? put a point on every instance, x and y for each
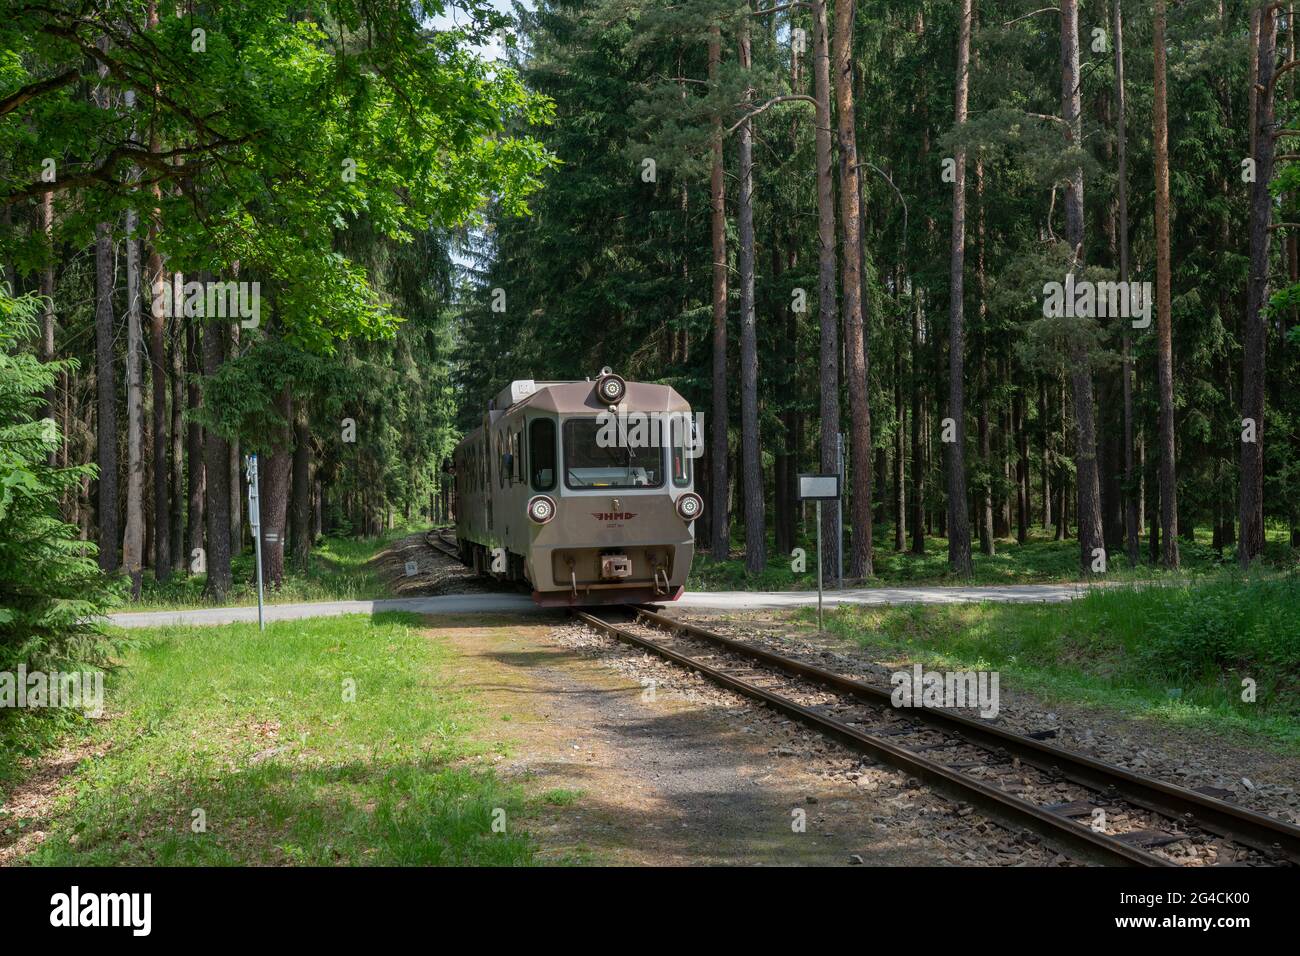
(1040, 560)
(1175, 652)
(253, 735)
(340, 569)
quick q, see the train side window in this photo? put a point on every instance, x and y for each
(681, 467)
(541, 440)
(517, 459)
(683, 439)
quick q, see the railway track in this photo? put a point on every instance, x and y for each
(439, 543)
(1105, 813)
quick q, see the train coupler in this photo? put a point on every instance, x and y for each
(614, 566)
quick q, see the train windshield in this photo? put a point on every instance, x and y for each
(592, 462)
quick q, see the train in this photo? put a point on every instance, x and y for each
(582, 490)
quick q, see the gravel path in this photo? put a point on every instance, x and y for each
(656, 766)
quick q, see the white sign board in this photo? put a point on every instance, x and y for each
(819, 487)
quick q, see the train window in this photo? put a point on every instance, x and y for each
(683, 445)
(517, 456)
(589, 465)
(502, 466)
(541, 439)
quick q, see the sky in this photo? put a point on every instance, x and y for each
(491, 50)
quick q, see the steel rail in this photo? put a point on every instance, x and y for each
(998, 803)
(435, 539)
(1264, 833)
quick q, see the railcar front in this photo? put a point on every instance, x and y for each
(611, 505)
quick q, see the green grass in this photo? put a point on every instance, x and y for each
(253, 729)
(1040, 560)
(1176, 652)
(340, 569)
(560, 797)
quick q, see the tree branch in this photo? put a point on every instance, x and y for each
(898, 192)
(33, 90)
(103, 173)
(1284, 68)
(1049, 116)
(784, 6)
(1033, 13)
(797, 97)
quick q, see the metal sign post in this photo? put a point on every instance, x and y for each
(255, 525)
(819, 488)
(819, 566)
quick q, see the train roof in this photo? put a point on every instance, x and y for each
(573, 398)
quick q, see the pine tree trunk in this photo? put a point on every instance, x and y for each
(196, 469)
(162, 559)
(985, 503)
(919, 457)
(783, 503)
(133, 540)
(1164, 334)
(45, 225)
(900, 452)
(1131, 494)
(959, 556)
(216, 457)
(855, 332)
(1044, 423)
(987, 512)
(235, 462)
(302, 523)
(106, 385)
(162, 564)
(794, 417)
(1085, 459)
(720, 537)
(751, 456)
(1251, 542)
(235, 470)
(1062, 478)
(829, 361)
(1022, 468)
(275, 493)
(178, 443)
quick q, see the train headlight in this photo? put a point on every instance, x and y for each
(541, 509)
(610, 388)
(689, 506)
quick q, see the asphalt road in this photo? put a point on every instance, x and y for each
(715, 600)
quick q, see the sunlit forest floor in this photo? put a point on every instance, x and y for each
(1220, 652)
(223, 745)
(1040, 560)
(340, 569)
(1178, 652)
